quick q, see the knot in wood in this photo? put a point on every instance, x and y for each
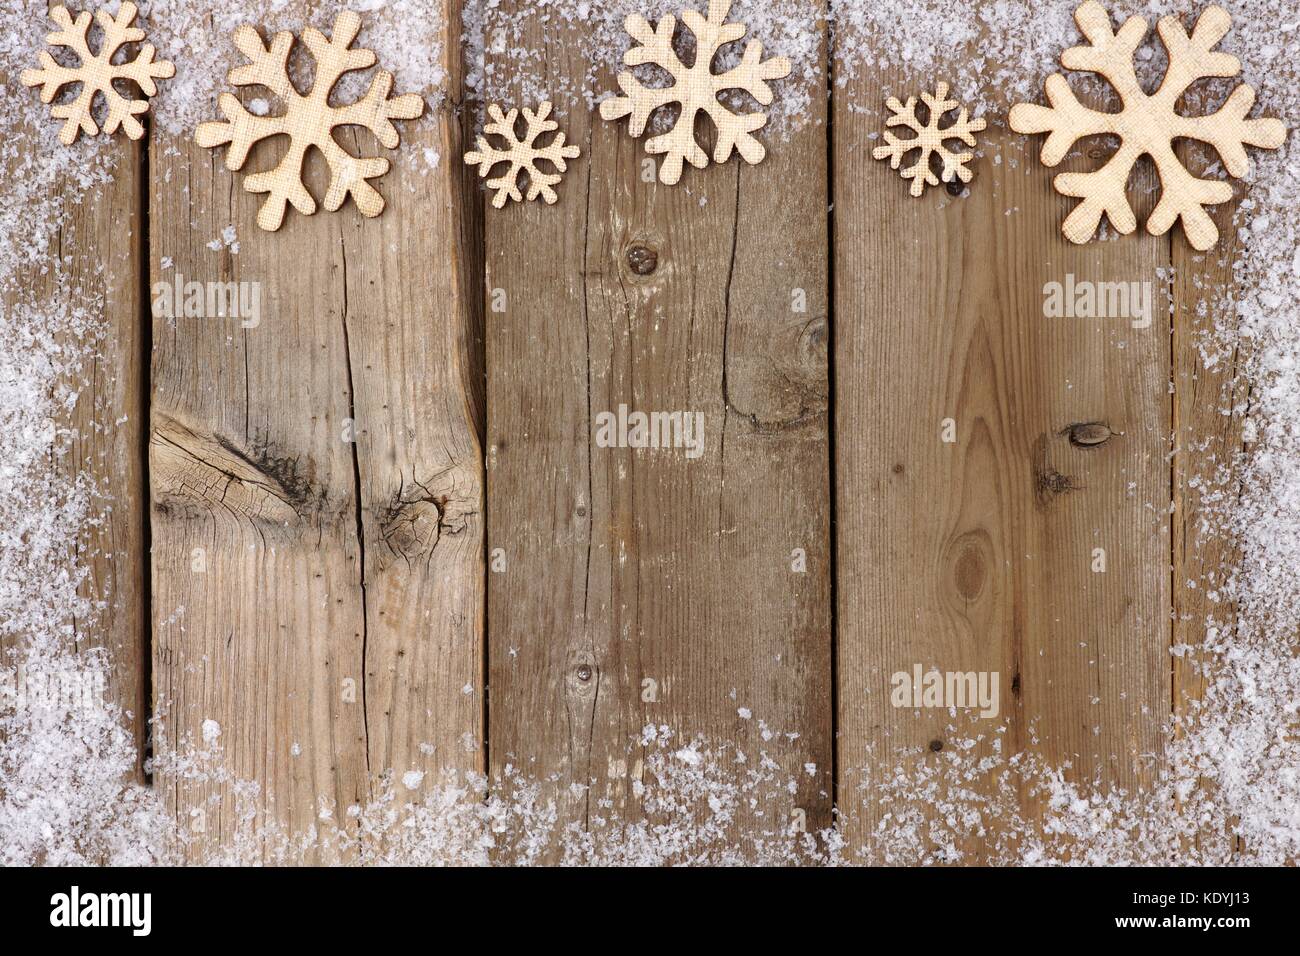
(642, 260)
(970, 573)
(412, 528)
(1089, 434)
(813, 340)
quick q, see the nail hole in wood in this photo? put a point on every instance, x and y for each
(936, 745)
(584, 672)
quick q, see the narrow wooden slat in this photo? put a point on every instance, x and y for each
(94, 261)
(104, 233)
(1207, 447)
(316, 489)
(977, 555)
(637, 587)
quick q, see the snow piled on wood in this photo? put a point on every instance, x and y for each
(1230, 773)
(406, 36)
(1231, 770)
(67, 757)
(507, 62)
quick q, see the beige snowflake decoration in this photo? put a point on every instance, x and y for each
(96, 73)
(1147, 125)
(521, 154)
(930, 138)
(309, 120)
(696, 88)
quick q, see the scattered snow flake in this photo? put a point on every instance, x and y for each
(211, 731)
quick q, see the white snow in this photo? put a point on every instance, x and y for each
(211, 731)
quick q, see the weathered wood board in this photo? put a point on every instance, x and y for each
(1206, 445)
(316, 481)
(643, 586)
(98, 246)
(982, 553)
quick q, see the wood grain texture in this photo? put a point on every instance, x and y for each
(622, 566)
(327, 463)
(109, 421)
(976, 555)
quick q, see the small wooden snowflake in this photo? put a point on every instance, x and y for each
(522, 154)
(694, 89)
(96, 73)
(930, 138)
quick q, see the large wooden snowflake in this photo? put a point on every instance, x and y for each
(96, 73)
(696, 88)
(1147, 125)
(309, 120)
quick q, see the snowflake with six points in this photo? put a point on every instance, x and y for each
(309, 120)
(929, 139)
(521, 154)
(1147, 125)
(696, 88)
(97, 72)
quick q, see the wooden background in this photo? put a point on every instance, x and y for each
(286, 563)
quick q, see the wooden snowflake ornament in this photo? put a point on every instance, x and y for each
(696, 88)
(522, 154)
(309, 120)
(96, 73)
(930, 138)
(1147, 125)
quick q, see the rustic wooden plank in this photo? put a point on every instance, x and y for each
(316, 487)
(414, 299)
(641, 587)
(109, 423)
(94, 263)
(1207, 447)
(977, 555)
